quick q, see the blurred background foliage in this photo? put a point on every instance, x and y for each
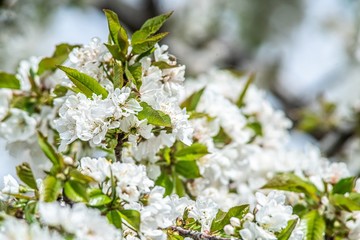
(305, 53)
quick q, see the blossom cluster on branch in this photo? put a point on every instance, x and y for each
(117, 146)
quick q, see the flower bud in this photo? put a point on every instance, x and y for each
(235, 222)
(229, 230)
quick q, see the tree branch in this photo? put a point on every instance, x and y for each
(196, 235)
(119, 146)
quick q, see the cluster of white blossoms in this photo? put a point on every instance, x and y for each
(133, 154)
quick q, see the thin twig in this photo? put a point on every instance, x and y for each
(119, 146)
(196, 235)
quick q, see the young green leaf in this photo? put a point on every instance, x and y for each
(59, 56)
(114, 218)
(51, 189)
(150, 27)
(291, 182)
(99, 199)
(192, 101)
(344, 185)
(114, 27)
(26, 175)
(344, 202)
(79, 177)
(256, 127)
(118, 78)
(116, 52)
(134, 74)
(60, 91)
(223, 218)
(8, 80)
(240, 101)
(144, 45)
(49, 151)
(313, 226)
(132, 217)
(222, 138)
(191, 153)
(88, 85)
(76, 191)
(286, 232)
(187, 169)
(154, 117)
(179, 185)
(165, 181)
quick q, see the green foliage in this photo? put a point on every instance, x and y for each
(344, 185)
(187, 169)
(145, 38)
(240, 101)
(291, 182)
(26, 175)
(85, 83)
(59, 56)
(192, 101)
(132, 217)
(51, 189)
(116, 52)
(97, 198)
(191, 153)
(8, 80)
(286, 232)
(60, 91)
(134, 74)
(118, 78)
(313, 225)
(165, 181)
(222, 138)
(223, 218)
(350, 203)
(154, 117)
(114, 217)
(76, 191)
(55, 158)
(117, 32)
(256, 127)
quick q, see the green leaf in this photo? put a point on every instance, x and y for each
(344, 185)
(134, 74)
(191, 153)
(150, 27)
(79, 177)
(291, 182)
(118, 78)
(256, 127)
(313, 226)
(76, 191)
(59, 56)
(162, 65)
(223, 218)
(222, 138)
(165, 181)
(30, 211)
(51, 189)
(60, 91)
(179, 186)
(116, 52)
(117, 32)
(154, 117)
(8, 80)
(26, 175)
(192, 101)
(148, 43)
(99, 199)
(344, 202)
(85, 83)
(114, 217)
(187, 169)
(286, 232)
(49, 151)
(132, 217)
(240, 101)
